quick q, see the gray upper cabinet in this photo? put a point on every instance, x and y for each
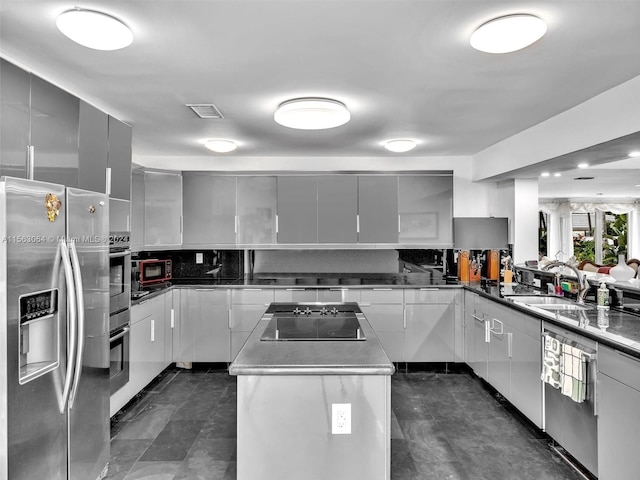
(93, 144)
(119, 159)
(425, 207)
(137, 209)
(14, 127)
(162, 209)
(209, 203)
(337, 209)
(54, 133)
(297, 209)
(378, 208)
(256, 210)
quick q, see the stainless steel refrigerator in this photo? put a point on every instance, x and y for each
(54, 332)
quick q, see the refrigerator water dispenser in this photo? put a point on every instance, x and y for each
(38, 334)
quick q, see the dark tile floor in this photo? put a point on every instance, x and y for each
(444, 426)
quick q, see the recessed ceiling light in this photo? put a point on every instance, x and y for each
(312, 113)
(634, 154)
(221, 146)
(508, 34)
(93, 29)
(557, 174)
(583, 165)
(544, 174)
(400, 145)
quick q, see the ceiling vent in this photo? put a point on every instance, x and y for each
(584, 178)
(205, 110)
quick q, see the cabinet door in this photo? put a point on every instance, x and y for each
(54, 133)
(378, 209)
(618, 429)
(297, 209)
(158, 333)
(209, 205)
(137, 210)
(257, 206)
(469, 328)
(387, 321)
(526, 365)
(119, 158)
(14, 127)
(173, 302)
(429, 334)
(296, 295)
(337, 209)
(208, 310)
(162, 209)
(425, 208)
(141, 355)
(499, 361)
(480, 346)
(93, 142)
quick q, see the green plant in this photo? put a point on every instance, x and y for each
(584, 249)
(615, 237)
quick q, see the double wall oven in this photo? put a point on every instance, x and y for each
(119, 308)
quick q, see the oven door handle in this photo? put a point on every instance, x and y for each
(124, 253)
(124, 331)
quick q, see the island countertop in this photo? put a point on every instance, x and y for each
(305, 357)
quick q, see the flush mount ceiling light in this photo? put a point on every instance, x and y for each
(557, 174)
(634, 154)
(312, 113)
(400, 145)
(220, 146)
(508, 34)
(93, 29)
(544, 174)
(583, 165)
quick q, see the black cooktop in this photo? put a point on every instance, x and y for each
(313, 322)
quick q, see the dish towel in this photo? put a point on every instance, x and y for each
(551, 362)
(573, 371)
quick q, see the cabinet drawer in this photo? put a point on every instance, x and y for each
(385, 318)
(382, 295)
(296, 295)
(251, 296)
(619, 365)
(429, 295)
(141, 310)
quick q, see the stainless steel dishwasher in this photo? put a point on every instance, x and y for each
(574, 425)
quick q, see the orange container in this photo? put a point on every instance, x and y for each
(463, 266)
(493, 265)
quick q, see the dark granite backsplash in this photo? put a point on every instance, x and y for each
(225, 264)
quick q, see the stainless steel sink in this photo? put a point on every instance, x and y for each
(549, 302)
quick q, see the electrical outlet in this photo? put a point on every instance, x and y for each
(341, 418)
(199, 258)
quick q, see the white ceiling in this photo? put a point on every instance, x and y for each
(404, 68)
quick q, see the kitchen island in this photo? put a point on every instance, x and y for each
(313, 408)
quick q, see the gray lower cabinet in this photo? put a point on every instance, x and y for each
(481, 338)
(245, 311)
(468, 327)
(430, 316)
(119, 159)
(54, 133)
(162, 209)
(14, 127)
(205, 326)
(93, 145)
(337, 209)
(378, 209)
(425, 209)
(209, 203)
(384, 309)
(297, 209)
(256, 210)
(618, 419)
(526, 365)
(499, 349)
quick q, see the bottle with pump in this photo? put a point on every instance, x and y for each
(602, 296)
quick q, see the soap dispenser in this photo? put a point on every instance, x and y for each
(603, 296)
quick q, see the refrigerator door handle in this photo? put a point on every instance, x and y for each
(77, 275)
(71, 323)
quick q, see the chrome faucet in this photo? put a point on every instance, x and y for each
(583, 283)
